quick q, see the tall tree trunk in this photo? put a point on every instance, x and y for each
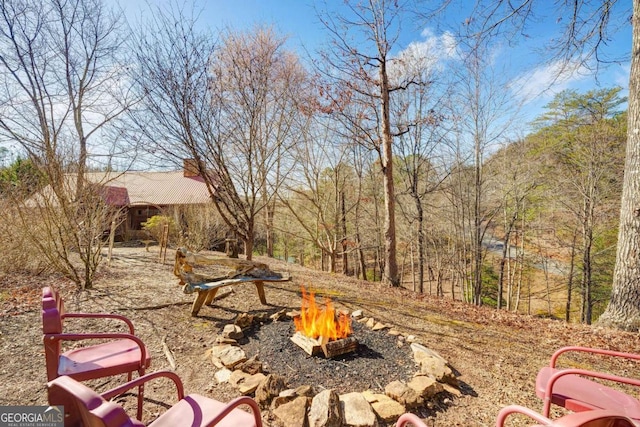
(363, 263)
(623, 311)
(421, 249)
(343, 220)
(390, 275)
(567, 314)
(269, 213)
(587, 243)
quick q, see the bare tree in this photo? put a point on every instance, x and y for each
(229, 107)
(484, 112)
(60, 66)
(361, 73)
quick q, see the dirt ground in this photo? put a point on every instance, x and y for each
(496, 355)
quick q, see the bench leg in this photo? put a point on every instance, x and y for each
(197, 302)
(260, 287)
(211, 294)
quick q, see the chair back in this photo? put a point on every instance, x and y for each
(52, 312)
(84, 407)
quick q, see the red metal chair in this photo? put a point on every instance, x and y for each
(410, 419)
(570, 389)
(84, 407)
(597, 418)
(120, 353)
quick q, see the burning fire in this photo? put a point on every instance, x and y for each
(317, 322)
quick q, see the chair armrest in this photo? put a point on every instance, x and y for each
(548, 392)
(410, 418)
(142, 380)
(612, 353)
(101, 316)
(109, 336)
(242, 400)
(517, 409)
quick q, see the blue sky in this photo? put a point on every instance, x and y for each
(297, 19)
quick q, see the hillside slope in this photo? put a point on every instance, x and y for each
(495, 354)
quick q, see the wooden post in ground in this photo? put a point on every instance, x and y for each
(164, 242)
(112, 236)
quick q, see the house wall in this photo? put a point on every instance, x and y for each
(140, 214)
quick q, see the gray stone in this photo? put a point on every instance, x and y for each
(357, 314)
(325, 410)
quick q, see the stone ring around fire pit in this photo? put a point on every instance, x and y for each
(290, 406)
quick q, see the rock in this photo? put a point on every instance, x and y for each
(229, 355)
(385, 407)
(305, 390)
(404, 394)
(357, 314)
(371, 322)
(251, 366)
(268, 389)
(222, 376)
(356, 411)
(261, 318)
(250, 384)
(426, 387)
(285, 396)
(294, 413)
(325, 410)
(379, 326)
(411, 338)
(222, 340)
(278, 315)
(433, 365)
(454, 391)
(292, 314)
(363, 320)
(238, 377)
(394, 332)
(244, 320)
(232, 331)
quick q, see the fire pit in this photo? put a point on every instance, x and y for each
(322, 329)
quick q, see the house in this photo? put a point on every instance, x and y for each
(142, 195)
(145, 194)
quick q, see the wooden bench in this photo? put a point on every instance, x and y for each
(243, 271)
(207, 291)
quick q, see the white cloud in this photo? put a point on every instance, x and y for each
(547, 80)
(424, 56)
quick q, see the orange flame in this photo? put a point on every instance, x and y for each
(315, 322)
